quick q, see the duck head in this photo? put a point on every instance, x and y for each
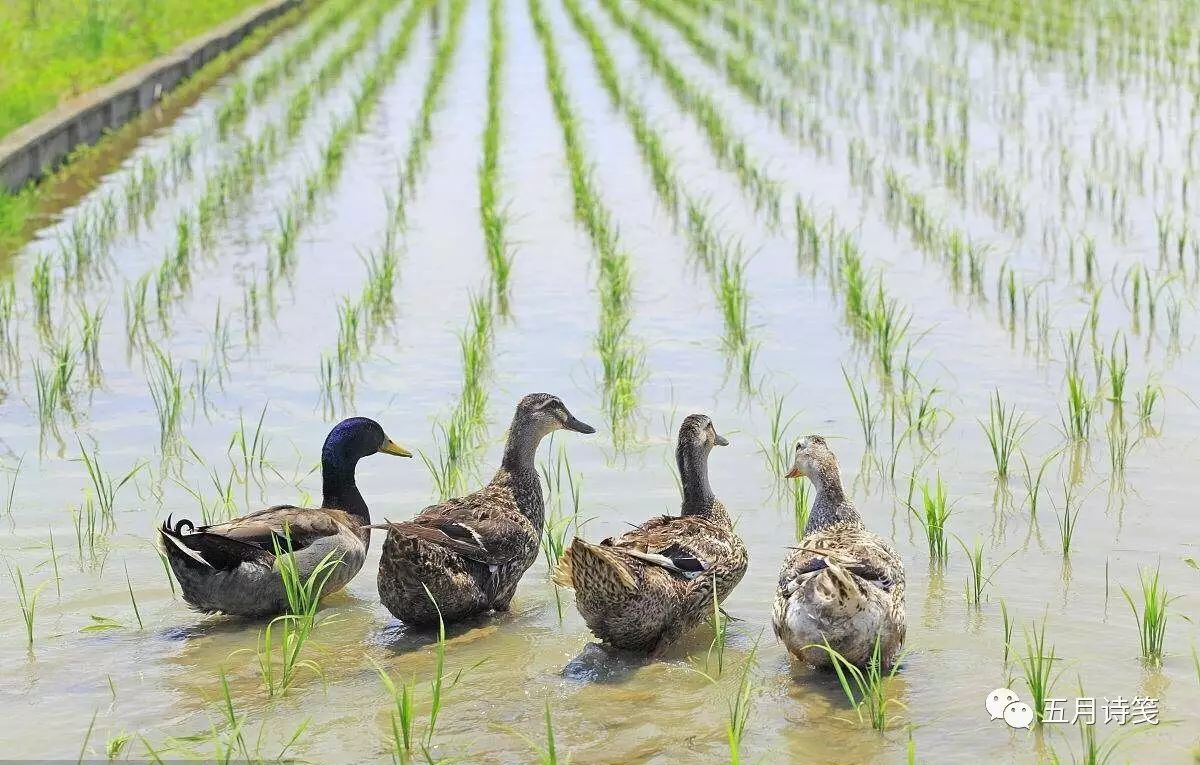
(544, 413)
(537, 416)
(358, 437)
(814, 461)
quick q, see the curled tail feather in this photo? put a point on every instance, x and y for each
(583, 563)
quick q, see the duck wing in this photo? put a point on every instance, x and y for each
(276, 525)
(668, 542)
(482, 534)
(865, 555)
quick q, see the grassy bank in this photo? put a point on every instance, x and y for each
(51, 50)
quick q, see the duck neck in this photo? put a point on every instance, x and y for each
(698, 498)
(338, 488)
(520, 450)
(830, 506)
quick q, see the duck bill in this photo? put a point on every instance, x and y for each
(395, 449)
(794, 473)
(720, 440)
(578, 425)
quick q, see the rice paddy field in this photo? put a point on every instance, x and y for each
(958, 239)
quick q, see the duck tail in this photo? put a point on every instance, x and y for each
(585, 566)
(171, 536)
(193, 548)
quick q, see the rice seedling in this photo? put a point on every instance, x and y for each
(250, 449)
(866, 688)
(133, 600)
(720, 627)
(935, 511)
(741, 706)
(868, 416)
(42, 286)
(1007, 626)
(295, 627)
(165, 380)
(562, 483)
(977, 579)
(1067, 519)
(548, 754)
(1152, 618)
(801, 506)
(1033, 481)
(1148, 399)
(1005, 428)
(1038, 668)
(1077, 419)
(1117, 365)
(403, 713)
(26, 601)
(12, 486)
(105, 487)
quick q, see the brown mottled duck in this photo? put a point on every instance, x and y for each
(645, 589)
(842, 586)
(470, 552)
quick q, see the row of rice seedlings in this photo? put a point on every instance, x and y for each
(327, 20)
(94, 225)
(886, 323)
(621, 360)
(232, 181)
(721, 259)
(492, 213)
(741, 69)
(730, 151)
(320, 180)
(462, 436)
(357, 320)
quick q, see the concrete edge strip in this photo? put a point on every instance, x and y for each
(39, 147)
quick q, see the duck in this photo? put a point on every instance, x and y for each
(465, 556)
(643, 590)
(842, 587)
(232, 568)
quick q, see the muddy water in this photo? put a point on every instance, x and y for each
(161, 682)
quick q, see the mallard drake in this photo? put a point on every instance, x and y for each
(231, 567)
(645, 589)
(842, 585)
(470, 552)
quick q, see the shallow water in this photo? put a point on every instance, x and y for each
(161, 682)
